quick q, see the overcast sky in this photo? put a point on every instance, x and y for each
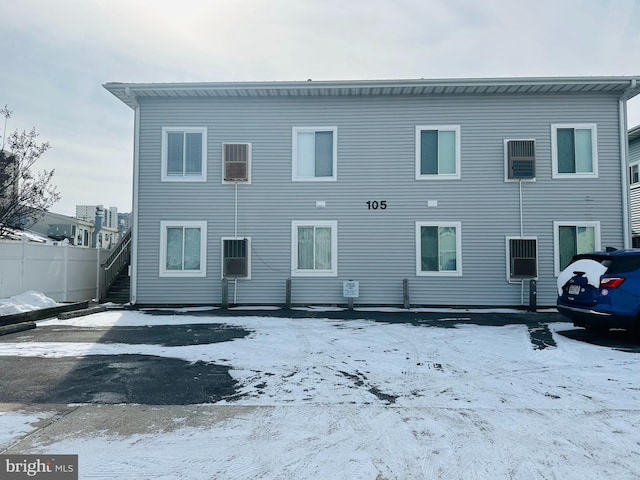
(57, 54)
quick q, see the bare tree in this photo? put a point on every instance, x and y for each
(24, 195)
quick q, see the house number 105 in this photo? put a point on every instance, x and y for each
(375, 205)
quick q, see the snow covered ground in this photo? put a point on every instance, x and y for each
(361, 400)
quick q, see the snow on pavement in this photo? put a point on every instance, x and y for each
(365, 400)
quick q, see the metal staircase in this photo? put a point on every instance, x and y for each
(115, 283)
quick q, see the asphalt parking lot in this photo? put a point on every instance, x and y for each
(153, 380)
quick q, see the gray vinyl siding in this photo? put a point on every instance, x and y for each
(376, 161)
(634, 157)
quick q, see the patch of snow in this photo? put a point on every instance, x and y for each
(326, 398)
(25, 302)
(592, 270)
(319, 308)
(17, 424)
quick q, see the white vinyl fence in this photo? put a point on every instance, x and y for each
(62, 272)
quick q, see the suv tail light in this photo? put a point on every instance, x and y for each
(611, 282)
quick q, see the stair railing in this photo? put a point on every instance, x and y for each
(115, 263)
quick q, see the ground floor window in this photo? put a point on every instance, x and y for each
(573, 238)
(314, 247)
(438, 248)
(183, 249)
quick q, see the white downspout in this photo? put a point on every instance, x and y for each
(235, 235)
(624, 155)
(134, 219)
(521, 219)
(521, 235)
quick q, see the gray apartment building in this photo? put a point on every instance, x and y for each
(463, 191)
(634, 182)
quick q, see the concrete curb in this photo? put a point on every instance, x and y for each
(82, 312)
(42, 313)
(16, 327)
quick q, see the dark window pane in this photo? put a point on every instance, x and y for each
(174, 153)
(566, 151)
(568, 245)
(429, 249)
(193, 152)
(428, 152)
(324, 154)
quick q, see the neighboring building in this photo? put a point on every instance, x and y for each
(78, 232)
(467, 188)
(88, 213)
(124, 222)
(634, 182)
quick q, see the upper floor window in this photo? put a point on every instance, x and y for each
(634, 177)
(184, 153)
(438, 152)
(315, 154)
(574, 151)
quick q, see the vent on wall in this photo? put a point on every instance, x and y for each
(521, 159)
(523, 258)
(236, 162)
(235, 261)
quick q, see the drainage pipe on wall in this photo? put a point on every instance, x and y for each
(235, 235)
(624, 155)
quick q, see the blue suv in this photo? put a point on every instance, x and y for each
(601, 290)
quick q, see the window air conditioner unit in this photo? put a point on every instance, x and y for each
(521, 159)
(235, 259)
(235, 267)
(236, 161)
(523, 254)
(524, 267)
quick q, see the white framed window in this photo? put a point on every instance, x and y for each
(634, 173)
(315, 154)
(236, 258)
(438, 152)
(520, 160)
(438, 248)
(572, 238)
(183, 249)
(574, 150)
(236, 162)
(184, 154)
(314, 248)
(522, 258)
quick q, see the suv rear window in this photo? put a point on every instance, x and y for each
(616, 264)
(625, 263)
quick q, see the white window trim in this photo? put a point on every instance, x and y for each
(506, 162)
(447, 273)
(594, 150)
(631, 165)
(183, 178)
(202, 272)
(295, 271)
(249, 162)
(248, 239)
(556, 239)
(294, 154)
(438, 176)
(508, 258)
